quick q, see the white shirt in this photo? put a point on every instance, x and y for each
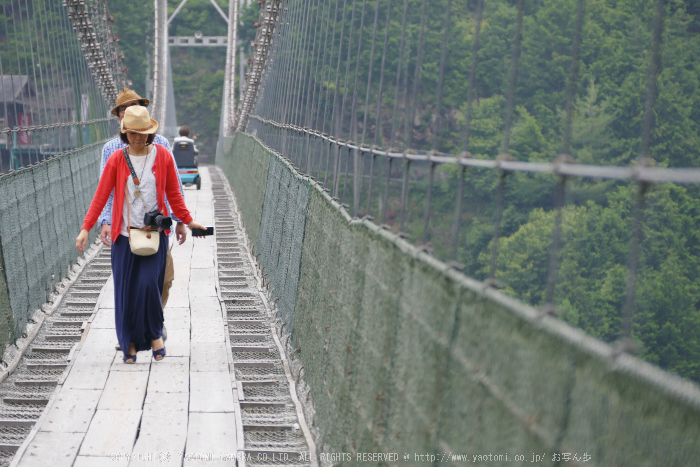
(148, 198)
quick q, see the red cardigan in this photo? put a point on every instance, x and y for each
(116, 174)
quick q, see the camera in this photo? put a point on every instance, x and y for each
(156, 218)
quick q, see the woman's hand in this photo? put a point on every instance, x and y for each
(81, 241)
(180, 233)
(195, 225)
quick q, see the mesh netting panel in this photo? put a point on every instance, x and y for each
(245, 164)
(280, 439)
(266, 393)
(41, 210)
(404, 355)
(275, 373)
(277, 415)
(282, 233)
(276, 226)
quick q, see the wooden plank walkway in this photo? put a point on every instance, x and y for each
(180, 411)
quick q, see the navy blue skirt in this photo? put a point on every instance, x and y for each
(138, 287)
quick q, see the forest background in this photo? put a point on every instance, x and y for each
(607, 124)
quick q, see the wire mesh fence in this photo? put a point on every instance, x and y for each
(525, 143)
(61, 69)
(403, 354)
(41, 208)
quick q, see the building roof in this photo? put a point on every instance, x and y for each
(11, 87)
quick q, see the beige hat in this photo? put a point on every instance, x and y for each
(137, 120)
(128, 95)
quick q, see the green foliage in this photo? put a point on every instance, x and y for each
(134, 25)
(593, 269)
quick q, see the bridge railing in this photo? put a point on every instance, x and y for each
(428, 118)
(60, 73)
(399, 353)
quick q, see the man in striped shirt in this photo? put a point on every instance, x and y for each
(127, 98)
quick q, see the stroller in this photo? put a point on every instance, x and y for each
(185, 153)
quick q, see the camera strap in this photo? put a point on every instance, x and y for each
(131, 168)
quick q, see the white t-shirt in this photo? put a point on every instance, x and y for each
(148, 198)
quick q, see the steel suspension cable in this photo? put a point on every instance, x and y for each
(339, 127)
(416, 80)
(357, 164)
(313, 64)
(392, 138)
(335, 96)
(304, 66)
(378, 119)
(467, 128)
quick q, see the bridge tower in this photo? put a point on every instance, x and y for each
(163, 92)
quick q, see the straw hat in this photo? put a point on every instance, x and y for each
(137, 120)
(127, 95)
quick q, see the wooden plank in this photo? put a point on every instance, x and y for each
(107, 298)
(125, 390)
(117, 460)
(176, 402)
(178, 343)
(111, 432)
(104, 319)
(163, 429)
(207, 274)
(177, 318)
(51, 449)
(71, 411)
(204, 305)
(211, 392)
(99, 345)
(178, 298)
(170, 376)
(87, 374)
(143, 362)
(202, 288)
(207, 329)
(210, 313)
(209, 356)
(211, 433)
(203, 259)
(163, 445)
(181, 280)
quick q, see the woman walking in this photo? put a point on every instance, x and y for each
(139, 235)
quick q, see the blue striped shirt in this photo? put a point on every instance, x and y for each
(115, 145)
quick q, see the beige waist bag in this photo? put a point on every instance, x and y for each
(143, 242)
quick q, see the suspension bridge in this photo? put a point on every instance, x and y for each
(345, 312)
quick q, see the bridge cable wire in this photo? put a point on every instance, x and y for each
(288, 99)
(642, 187)
(560, 193)
(457, 221)
(436, 121)
(43, 69)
